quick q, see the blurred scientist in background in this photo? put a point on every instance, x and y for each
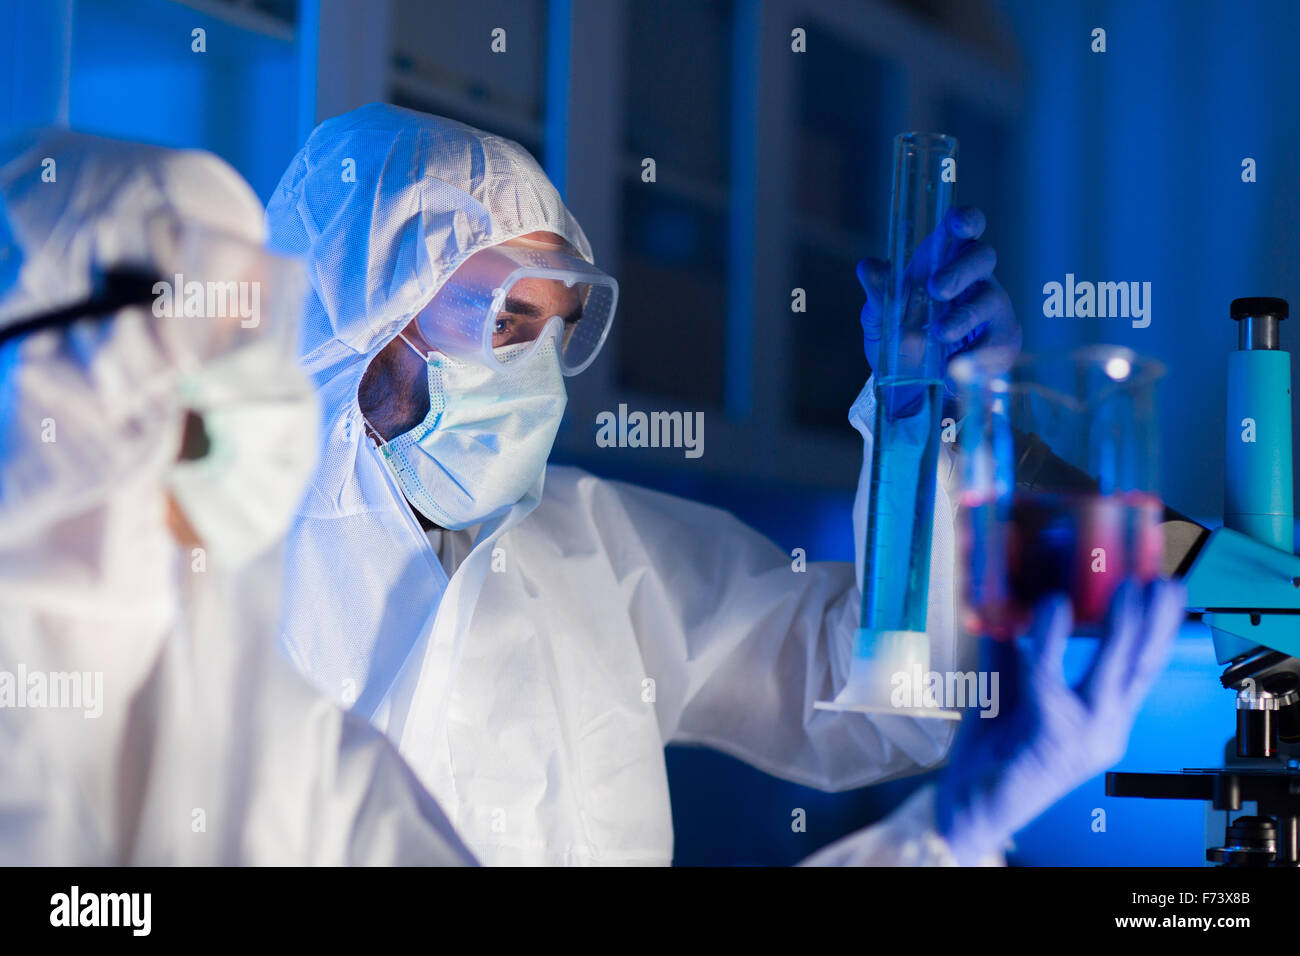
(531, 655)
(150, 459)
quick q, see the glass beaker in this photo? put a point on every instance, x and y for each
(1058, 483)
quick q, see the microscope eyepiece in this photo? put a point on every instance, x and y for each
(1257, 319)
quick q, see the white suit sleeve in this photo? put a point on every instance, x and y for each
(907, 837)
(740, 641)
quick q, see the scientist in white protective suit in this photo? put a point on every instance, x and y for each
(531, 637)
(150, 459)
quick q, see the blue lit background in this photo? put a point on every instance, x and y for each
(1118, 166)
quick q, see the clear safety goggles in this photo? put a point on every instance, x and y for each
(509, 295)
(115, 289)
(206, 299)
(216, 293)
(204, 295)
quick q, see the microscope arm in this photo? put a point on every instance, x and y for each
(1248, 591)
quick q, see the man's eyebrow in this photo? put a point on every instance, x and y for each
(520, 307)
(523, 307)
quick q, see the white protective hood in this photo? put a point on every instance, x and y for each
(75, 205)
(384, 204)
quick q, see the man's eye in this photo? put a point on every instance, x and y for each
(502, 326)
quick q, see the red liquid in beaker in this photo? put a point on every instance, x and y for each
(1080, 544)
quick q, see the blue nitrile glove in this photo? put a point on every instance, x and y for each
(1048, 738)
(979, 312)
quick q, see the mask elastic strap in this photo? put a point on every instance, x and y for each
(370, 428)
(373, 431)
(423, 357)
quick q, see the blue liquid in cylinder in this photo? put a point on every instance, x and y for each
(904, 462)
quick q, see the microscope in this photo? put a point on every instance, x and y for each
(1244, 581)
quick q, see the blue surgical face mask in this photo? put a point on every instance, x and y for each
(487, 436)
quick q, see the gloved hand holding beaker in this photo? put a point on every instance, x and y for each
(960, 268)
(1048, 737)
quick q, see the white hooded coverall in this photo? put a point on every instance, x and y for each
(534, 694)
